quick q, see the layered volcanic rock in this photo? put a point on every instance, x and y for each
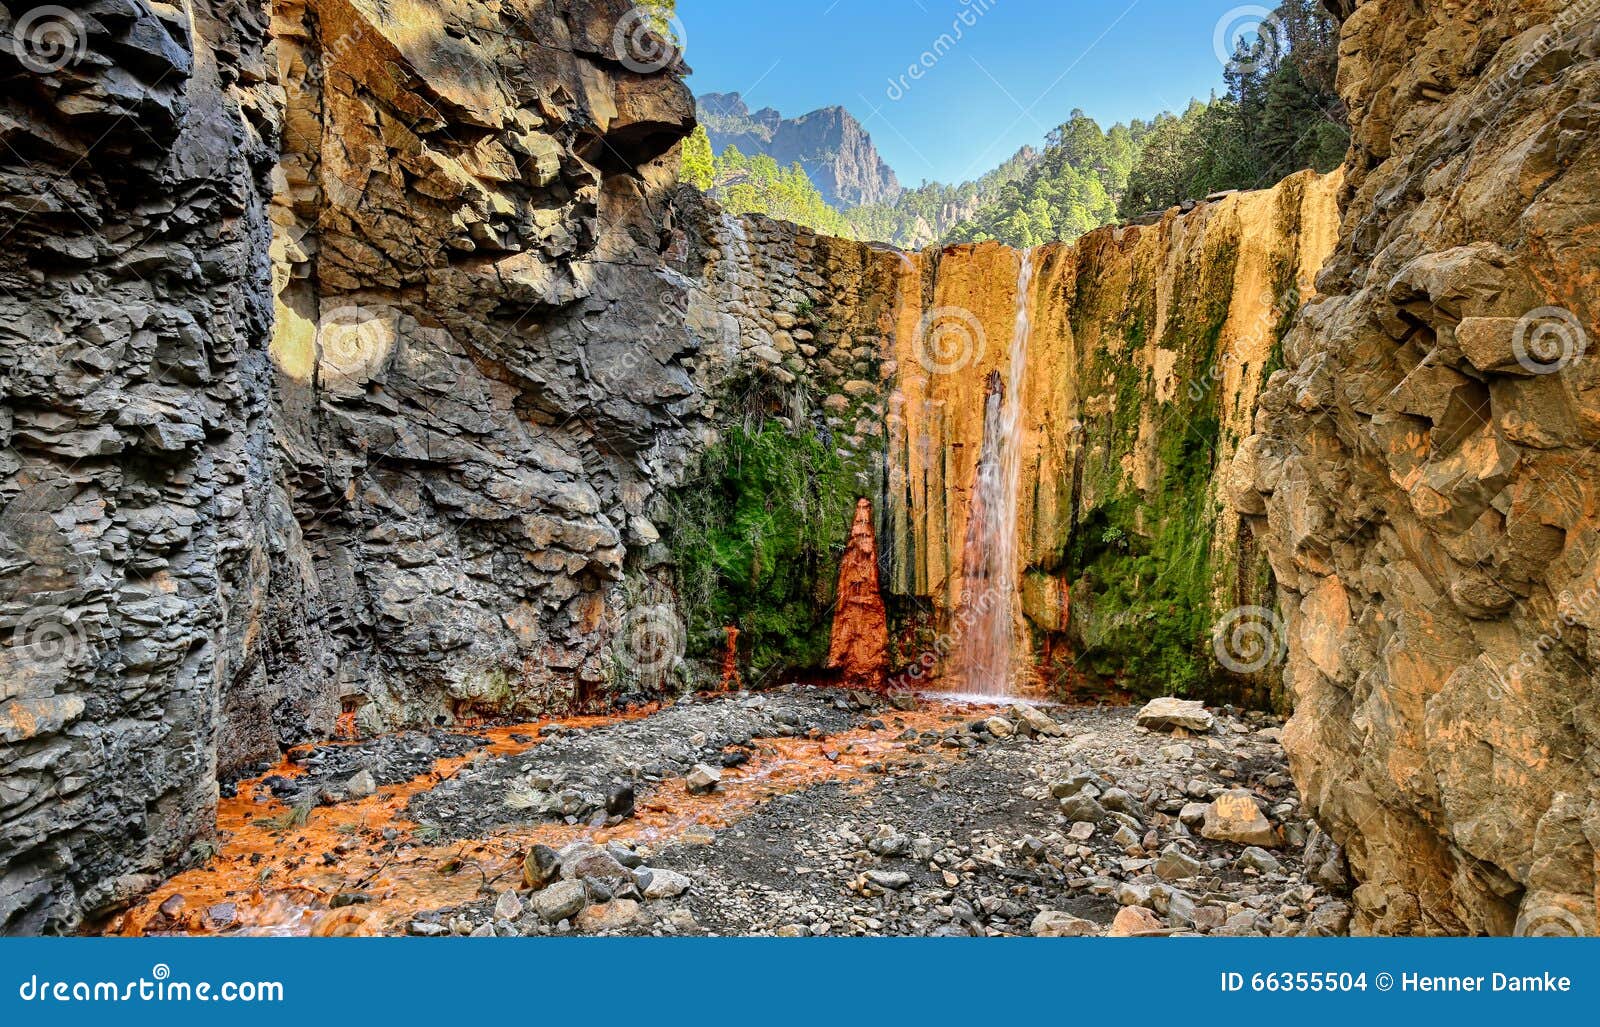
(1426, 467)
(135, 451)
(340, 354)
(476, 344)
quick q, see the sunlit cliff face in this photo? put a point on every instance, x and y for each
(1145, 347)
(473, 343)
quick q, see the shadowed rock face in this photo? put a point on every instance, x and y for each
(331, 348)
(135, 447)
(1426, 470)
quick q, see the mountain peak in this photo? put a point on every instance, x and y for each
(832, 146)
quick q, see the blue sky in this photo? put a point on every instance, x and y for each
(1017, 71)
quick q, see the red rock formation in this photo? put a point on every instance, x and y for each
(860, 647)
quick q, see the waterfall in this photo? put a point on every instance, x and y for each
(990, 611)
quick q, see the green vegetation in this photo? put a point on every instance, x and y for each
(1142, 563)
(756, 536)
(758, 185)
(927, 214)
(1069, 191)
(1281, 115)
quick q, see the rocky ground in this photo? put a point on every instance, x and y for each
(929, 821)
(796, 812)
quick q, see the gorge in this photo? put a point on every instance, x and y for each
(369, 375)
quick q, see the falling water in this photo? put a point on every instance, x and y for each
(989, 609)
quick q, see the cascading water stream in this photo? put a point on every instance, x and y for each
(989, 616)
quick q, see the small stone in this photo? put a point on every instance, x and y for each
(889, 880)
(619, 800)
(1177, 865)
(508, 906)
(1082, 831)
(1171, 714)
(1133, 921)
(1259, 860)
(542, 865)
(1000, 727)
(703, 779)
(794, 931)
(361, 785)
(624, 855)
(1193, 814)
(889, 843)
(1081, 807)
(1066, 789)
(611, 916)
(666, 884)
(1053, 924)
(560, 901)
(1235, 816)
(1035, 722)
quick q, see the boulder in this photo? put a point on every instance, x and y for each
(1173, 714)
(1051, 923)
(560, 901)
(1235, 816)
(702, 779)
(1133, 921)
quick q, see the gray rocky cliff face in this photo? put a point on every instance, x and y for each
(338, 359)
(135, 434)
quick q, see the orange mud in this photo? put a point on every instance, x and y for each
(272, 876)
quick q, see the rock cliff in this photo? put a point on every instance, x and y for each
(135, 434)
(1145, 351)
(1425, 474)
(833, 147)
(338, 348)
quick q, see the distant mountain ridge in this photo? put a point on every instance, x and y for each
(834, 148)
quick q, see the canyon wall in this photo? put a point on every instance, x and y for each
(1146, 347)
(135, 444)
(340, 354)
(477, 351)
(1426, 476)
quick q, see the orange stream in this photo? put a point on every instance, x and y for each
(281, 879)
